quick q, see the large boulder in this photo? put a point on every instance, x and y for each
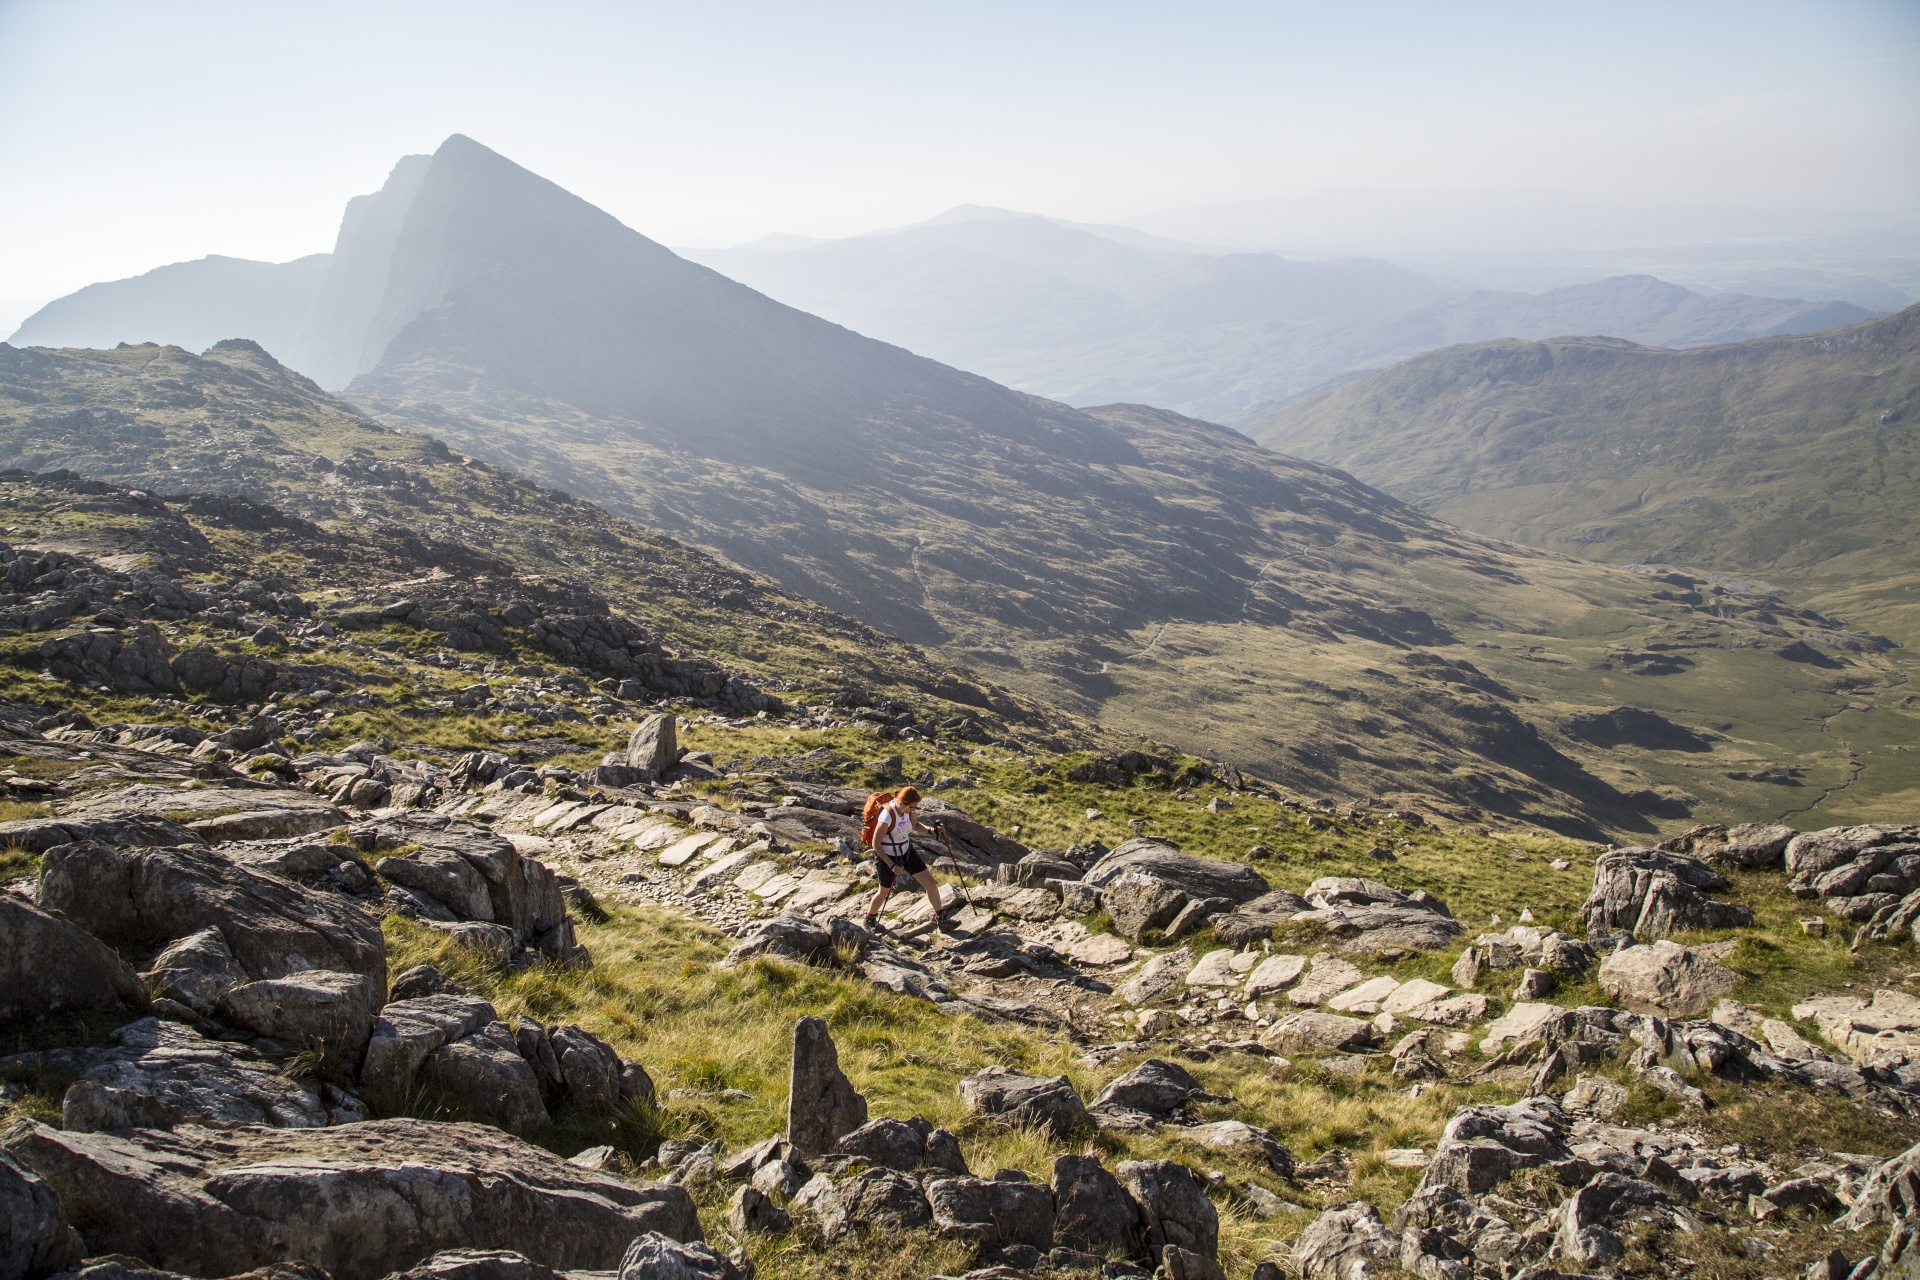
(1483, 1145)
(991, 1214)
(1174, 1209)
(1651, 894)
(1346, 1241)
(1365, 915)
(1666, 979)
(1156, 1087)
(196, 971)
(361, 1201)
(35, 1240)
(1198, 878)
(1753, 844)
(49, 967)
(1157, 977)
(317, 1009)
(653, 745)
(1137, 901)
(1254, 921)
(1311, 1032)
(873, 1198)
(655, 1256)
(408, 1032)
(1048, 1103)
(485, 1069)
(143, 897)
(471, 874)
(1092, 1212)
(156, 1075)
(822, 1104)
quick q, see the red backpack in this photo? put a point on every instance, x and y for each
(870, 815)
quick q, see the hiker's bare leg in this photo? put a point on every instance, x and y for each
(880, 897)
(932, 887)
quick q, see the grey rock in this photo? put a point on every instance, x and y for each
(1535, 984)
(35, 1240)
(485, 1069)
(312, 1009)
(1756, 844)
(1174, 1209)
(1137, 902)
(1195, 877)
(751, 1212)
(1890, 1192)
(1313, 1032)
(891, 1144)
(1484, 1145)
(1092, 1211)
(477, 1264)
(197, 971)
(589, 1068)
(1182, 1264)
(1653, 894)
(822, 1104)
(268, 824)
(408, 1031)
(1342, 1241)
(424, 980)
(1244, 1140)
(1157, 977)
(992, 1214)
(653, 745)
(1584, 1238)
(778, 1178)
(155, 1075)
(1666, 979)
(872, 1198)
(1157, 1087)
(361, 1201)
(1048, 1103)
(1365, 915)
(656, 1256)
(138, 897)
(50, 967)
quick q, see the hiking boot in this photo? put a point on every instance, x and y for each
(872, 924)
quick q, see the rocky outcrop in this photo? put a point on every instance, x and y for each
(196, 971)
(1651, 895)
(157, 1075)
(35, 1240)
(1174, 1209)
(1048, 1103)
(655, 1256)
(316, 1009)
(1483, 1146)
(462, 872)
(993, 1213)
(822, 1104)
(1196, 879)
(361, 1201)
(1345, 1242)
(142, 897)
(1092, 1212)
(51, 968)
(1867, 874)
(1365, 916)
(1665, 978)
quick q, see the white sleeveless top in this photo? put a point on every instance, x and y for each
(894, 829)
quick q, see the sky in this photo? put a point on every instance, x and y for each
(142, 133)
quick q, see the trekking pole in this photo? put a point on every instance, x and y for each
(954, 862)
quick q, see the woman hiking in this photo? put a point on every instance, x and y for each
(893, 856)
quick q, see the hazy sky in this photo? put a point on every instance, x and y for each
(142, 133)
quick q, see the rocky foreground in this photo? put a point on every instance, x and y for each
(246, 1088)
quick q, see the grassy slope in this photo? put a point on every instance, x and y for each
(1792, 458)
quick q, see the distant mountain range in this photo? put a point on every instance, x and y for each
(1156, 571)
(1074, 314)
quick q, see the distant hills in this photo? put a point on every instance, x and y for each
(1075, 314)
(1158, 572)
(1795, 459)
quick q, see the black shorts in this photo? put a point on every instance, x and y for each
(906, 862)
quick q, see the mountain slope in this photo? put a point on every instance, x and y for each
(1794, 458)
(1164, 574)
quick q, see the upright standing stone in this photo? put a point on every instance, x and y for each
(822, 1104)
(653, 745)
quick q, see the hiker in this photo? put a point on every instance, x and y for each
(892, 844)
